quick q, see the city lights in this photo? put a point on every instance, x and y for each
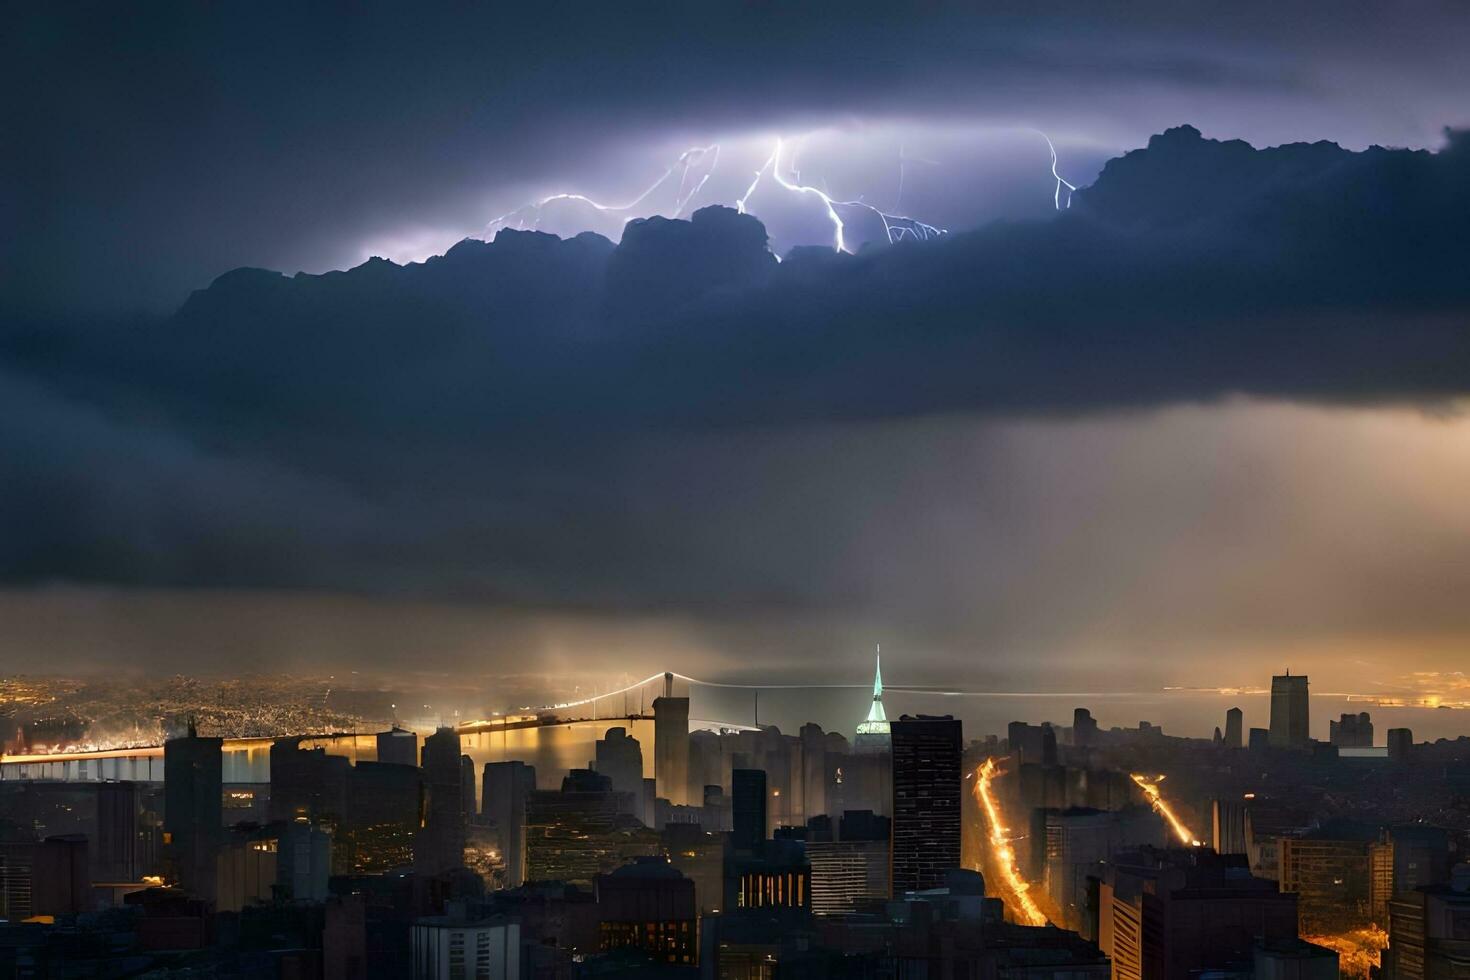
(1150, 787)
(1014, 889)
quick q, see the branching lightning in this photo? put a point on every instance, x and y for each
(700, 160)
(896, 226)
(691, 172)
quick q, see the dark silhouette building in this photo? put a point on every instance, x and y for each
(1351, 731)
(192, 821)
(927, 761)
(671, 745)
(582, 830)
(1290, 714)
(1084, 728)
(648, 905)
(439, 845)
(398, 746)
(1176, 914)
(1234, 729)
(748, 802)
(507, 789)
(620, 759)
(1400, 744)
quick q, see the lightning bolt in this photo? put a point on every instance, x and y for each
(896, 226)
(1056, 199)
(690, 161)
(696, 165)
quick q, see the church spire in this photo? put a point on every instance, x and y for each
(877, 720)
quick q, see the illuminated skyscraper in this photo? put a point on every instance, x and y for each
(873, 734)
(1290, 720)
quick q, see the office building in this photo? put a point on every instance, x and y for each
(846, 875)
(192, 821)
(1234, 729)
(813, 769)
(699, 855)
(748, 808)
(457, 948)
(507, 790)
(247, 868)
(1177, 914)
(303, 862)
(775, 876)
(671, 745)
(582, 830)
(46, 877)
(1429, 931)
(1400, 744)
(439, 845)
(1351, 731)
(398, 747)
(1084, 728)
(1228, 825)
(1290, 715)
(109, 814)
(383, 817)
(648, 905)
(927, 755)
(308, 784)
(620, 759)
(1293, 959)
(1343, 875)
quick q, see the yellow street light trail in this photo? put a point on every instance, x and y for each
(1022, 905)
(1150, 787)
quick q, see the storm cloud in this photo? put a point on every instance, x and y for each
(1207, 415)
(514, 421)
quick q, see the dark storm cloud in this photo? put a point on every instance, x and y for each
(531, 420)
(146, 147)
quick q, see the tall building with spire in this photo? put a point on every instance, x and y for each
(873, 734)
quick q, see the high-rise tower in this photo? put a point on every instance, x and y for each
(927, 754)
(873, 734)
(1290, 721)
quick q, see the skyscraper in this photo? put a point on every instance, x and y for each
(192, 822)
(1228, 826)
(398, 746)
(507, 788)
(1290, 721)
(620, 759)
(1351, 731)
(874, 733)
(439, 846)
(926, 801)
(671, 745)
(748, 800)
(1400, 743)
(1084, 728)
(1234, 729)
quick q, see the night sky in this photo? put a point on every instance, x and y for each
(1204, 423)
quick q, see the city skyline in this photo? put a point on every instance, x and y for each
(735, 491)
